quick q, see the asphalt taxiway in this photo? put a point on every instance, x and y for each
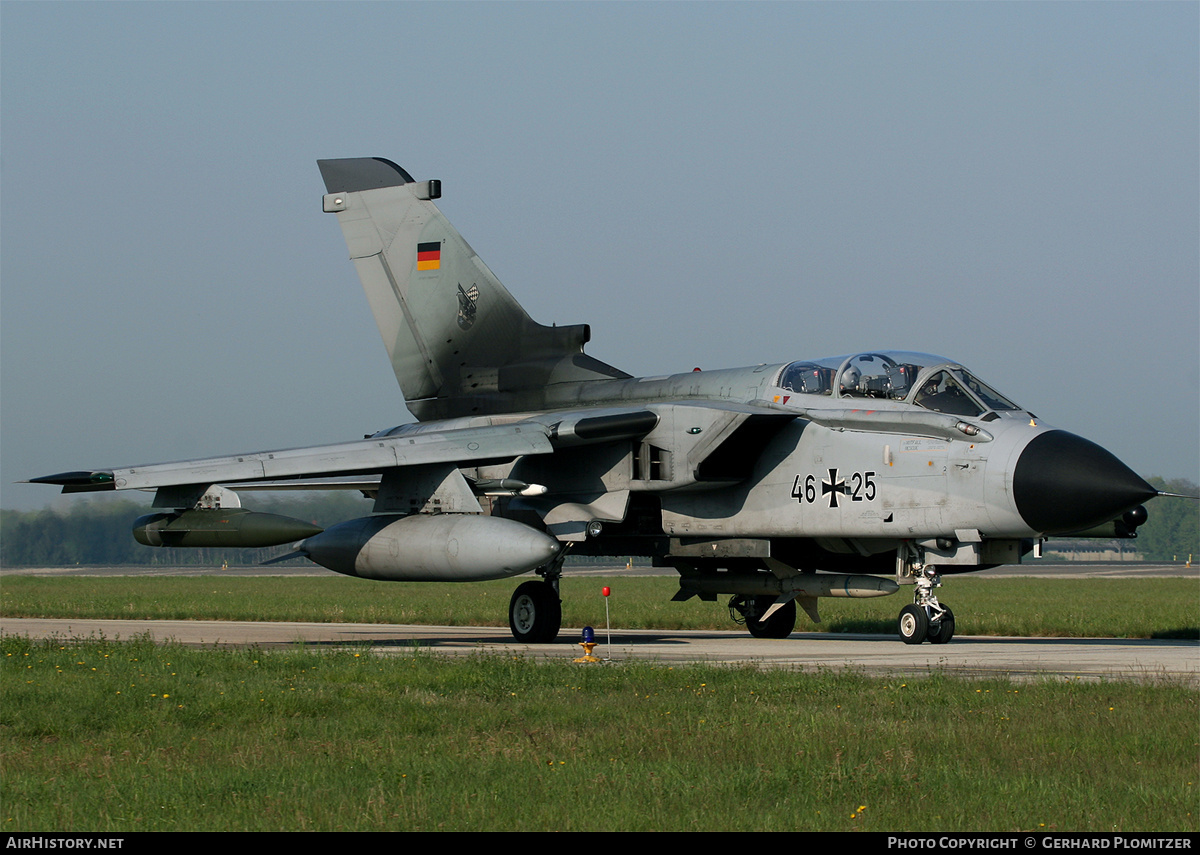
(974, 656)
(883, 654)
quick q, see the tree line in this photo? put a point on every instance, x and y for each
(100, 531)
(1172, 532)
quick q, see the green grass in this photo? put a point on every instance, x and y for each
(121, 737)
(1103, 608)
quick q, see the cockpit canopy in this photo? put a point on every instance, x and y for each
(932, 382)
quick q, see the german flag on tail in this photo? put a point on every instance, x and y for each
(429, 256)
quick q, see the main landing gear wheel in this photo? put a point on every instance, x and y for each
(778, 625)
(913, 624)
(943, 630)
(535, 613)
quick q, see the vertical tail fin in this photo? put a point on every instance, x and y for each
(458, 341)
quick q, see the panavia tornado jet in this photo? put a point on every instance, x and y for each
(775, 484)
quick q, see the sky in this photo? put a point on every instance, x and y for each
(1012, 185)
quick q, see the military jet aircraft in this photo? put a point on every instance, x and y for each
(774, 484)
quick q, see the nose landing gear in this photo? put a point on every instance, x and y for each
(926, 619)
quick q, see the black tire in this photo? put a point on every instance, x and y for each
(945, 630)
(913, 624)
(535, 613)
(778, 625)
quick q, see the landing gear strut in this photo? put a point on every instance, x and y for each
(926, 619)
(535, 610)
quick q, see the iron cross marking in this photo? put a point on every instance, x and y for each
(833, 486)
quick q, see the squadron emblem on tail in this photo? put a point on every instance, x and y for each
(467, 306)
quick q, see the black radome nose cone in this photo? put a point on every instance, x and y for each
(1064, 483)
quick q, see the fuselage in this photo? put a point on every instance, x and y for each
(880, 447)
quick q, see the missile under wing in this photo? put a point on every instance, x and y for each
(774, 484)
